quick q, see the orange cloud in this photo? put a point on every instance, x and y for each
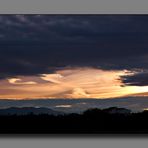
(70, 83)
(19, 81)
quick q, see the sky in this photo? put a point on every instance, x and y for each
(73, 56)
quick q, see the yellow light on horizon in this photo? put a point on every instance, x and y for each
(71, 83)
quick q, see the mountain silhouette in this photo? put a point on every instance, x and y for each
(29, 110)
(116, 110)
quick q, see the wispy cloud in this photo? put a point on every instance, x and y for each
(78, 82)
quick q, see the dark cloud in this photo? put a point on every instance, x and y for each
(65, 27)
(138, 79)
(35, 44)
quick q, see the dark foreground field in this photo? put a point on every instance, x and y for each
(92, 121)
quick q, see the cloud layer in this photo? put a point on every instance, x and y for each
(78, 82)
(39, 50)
(37, 44)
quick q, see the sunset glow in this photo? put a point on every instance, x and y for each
(70, 83)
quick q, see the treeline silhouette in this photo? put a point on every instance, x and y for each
(94, 121)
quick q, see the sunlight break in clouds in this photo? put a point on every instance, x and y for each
(70, 83)
(65, 106)
(19, 81)
(55, 78)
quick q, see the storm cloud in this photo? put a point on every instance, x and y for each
(37, 44)
(138, 79)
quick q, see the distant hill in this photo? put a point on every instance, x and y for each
(116, 110)
(44, 110)
(109, 111)
(29, 110)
